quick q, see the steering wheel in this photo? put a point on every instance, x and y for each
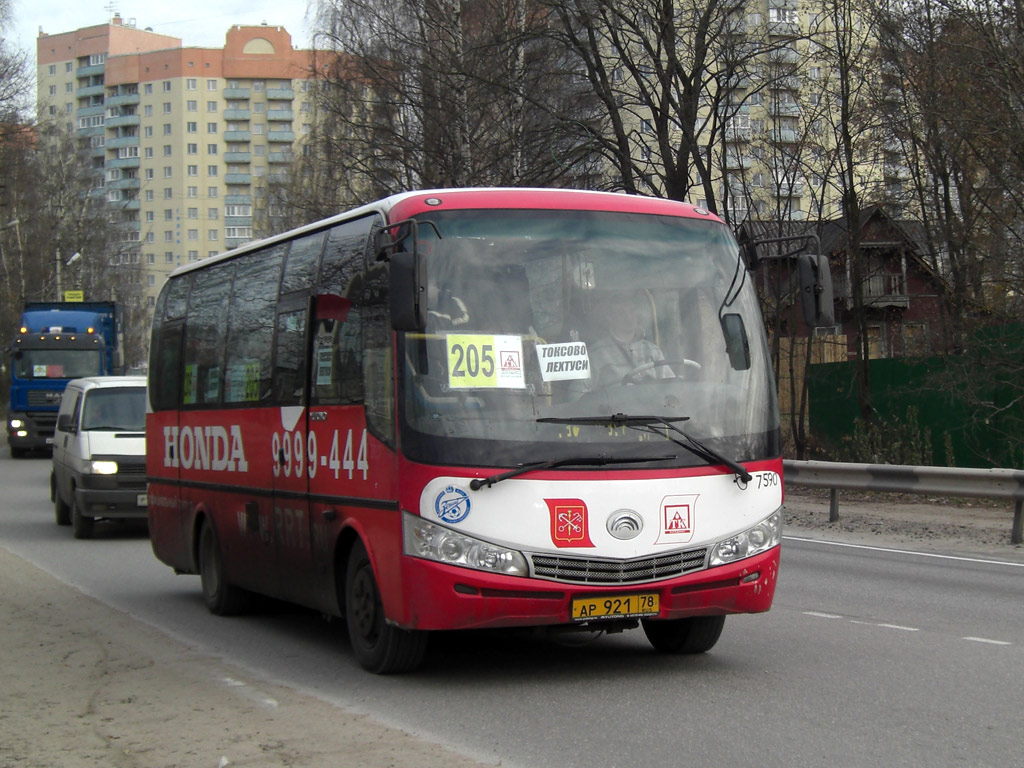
(630, 378)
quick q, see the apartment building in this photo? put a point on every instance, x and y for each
(184, 141)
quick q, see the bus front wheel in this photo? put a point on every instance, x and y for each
(696, 635)
(378, 646)
(222, 597)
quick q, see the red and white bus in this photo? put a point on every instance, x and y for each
(472, 408)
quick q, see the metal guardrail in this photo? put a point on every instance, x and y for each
(894, 478)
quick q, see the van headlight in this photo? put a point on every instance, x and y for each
(753, 541)
(103, 467)
(424, 539)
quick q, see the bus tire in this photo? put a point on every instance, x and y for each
(378, 646)
(695, 635)
(221, 596)
(81, 527)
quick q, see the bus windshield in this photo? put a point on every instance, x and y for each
(57, 363)
(542, 323)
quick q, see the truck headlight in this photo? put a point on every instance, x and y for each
(754, 541)
(103, 467)
(17, 423)
(422, 538)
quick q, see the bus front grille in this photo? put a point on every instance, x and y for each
(582, 570)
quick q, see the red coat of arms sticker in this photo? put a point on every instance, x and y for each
(677, 519)
(569, 523)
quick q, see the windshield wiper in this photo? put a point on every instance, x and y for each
(646, 424)
(583, 461)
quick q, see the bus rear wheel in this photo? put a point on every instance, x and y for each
(222, 597)
(379, 647)
(695, 635)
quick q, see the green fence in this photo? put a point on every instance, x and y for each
(967, 420)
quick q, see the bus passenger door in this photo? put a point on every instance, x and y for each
(290, 447)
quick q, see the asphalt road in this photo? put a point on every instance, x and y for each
(869, 657)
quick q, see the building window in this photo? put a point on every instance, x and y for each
(211, 106)
(192, 106)
(191, 127)
(211, 149)
(211, 170)
(167, 86)
(193, 191)
(193, 170)
(190, 84)
(211, 127)
(211, 85)
(213, 235)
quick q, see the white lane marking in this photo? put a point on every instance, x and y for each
(819, 615)
(986, 640)
(904, 551)
(900, 628)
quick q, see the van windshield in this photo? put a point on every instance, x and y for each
(121, 409)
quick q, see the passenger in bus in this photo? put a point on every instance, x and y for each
(620, 352)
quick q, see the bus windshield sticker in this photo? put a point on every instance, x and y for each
(477, 360)
(563, 362)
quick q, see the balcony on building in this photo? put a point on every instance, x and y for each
(114, 122)
(237, 178)
(237, 135)
(280, 94)
(281, 136)
(90, 111)
(90, 90)
(122, 162)
(123, 100)
(880, 290)
(236, 93)
(280, 157)
(238, 200)
(236, 114)
(286, 115)
(237, 157)
(91, 70)
(122, 141)
(135, 183)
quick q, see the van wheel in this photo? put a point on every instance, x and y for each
(696, 635)
(61, 511)
(82, 527)
(222, 597)
(379, 647)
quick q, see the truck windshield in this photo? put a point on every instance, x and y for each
(541, 323)
(115, 408)
(57, 363)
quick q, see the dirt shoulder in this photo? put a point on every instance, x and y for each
(87, 686)
(954, 526)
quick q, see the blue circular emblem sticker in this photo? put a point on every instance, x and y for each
(452, 505)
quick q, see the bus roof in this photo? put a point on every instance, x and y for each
(523, 198)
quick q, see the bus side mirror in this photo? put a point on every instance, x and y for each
(407, 294)
(737, 346)
(816, 297)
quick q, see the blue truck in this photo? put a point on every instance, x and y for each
(57, 342)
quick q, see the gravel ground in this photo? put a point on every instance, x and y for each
(969, 527)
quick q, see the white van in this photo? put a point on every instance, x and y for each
(99, 452)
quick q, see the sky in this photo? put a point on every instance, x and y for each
(201, 23)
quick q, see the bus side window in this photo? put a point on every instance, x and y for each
(300, 267)
(378, 375)
(289, 358)
(251, 333)
(337, 352)
(205, 336)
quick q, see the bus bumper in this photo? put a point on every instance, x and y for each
(443, 597)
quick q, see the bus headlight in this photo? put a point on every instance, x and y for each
(17, 423)
(103, 467)
(422, 538)
(754, 541)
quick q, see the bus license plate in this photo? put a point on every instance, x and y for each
(142, 500)
(615, 607)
